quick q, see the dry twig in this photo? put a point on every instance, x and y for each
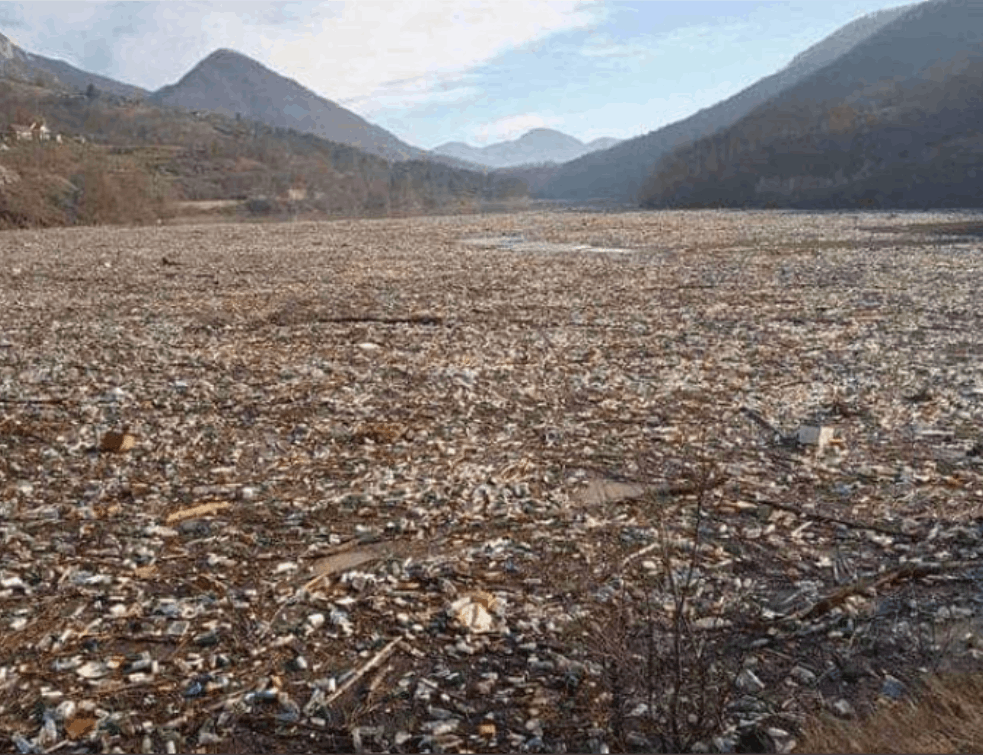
(371, 664)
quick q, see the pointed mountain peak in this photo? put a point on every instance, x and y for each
(228, 82)
(225, 54)
(225, 59)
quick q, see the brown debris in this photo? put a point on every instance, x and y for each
(408, 492)
(205, 508)
(117, 443)
(79, 726)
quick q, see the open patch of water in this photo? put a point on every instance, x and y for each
(519, 243)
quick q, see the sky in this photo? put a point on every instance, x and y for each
(433, 71)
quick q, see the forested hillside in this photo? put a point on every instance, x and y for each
(139, 161)
(619, 173)
(895, 123)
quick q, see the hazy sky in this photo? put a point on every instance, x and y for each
(432, 71)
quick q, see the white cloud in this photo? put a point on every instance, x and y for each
(512, 127)
(368, 55)
(412, 48)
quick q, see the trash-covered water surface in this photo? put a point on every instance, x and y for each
(447, 484)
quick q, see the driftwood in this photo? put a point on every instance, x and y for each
(836, 520)
(205, 508)
(414, 320)
(635, 490)
(4, 400)
(759, 420)
(906, 572)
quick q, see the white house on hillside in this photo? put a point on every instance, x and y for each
(40, 132)
(16, 132)
(37, 132)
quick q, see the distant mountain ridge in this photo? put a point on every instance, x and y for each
(619, 173)
(56, 74)
(540, 145)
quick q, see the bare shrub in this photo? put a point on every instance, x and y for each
(668, 674)
(115, 197)
(71, 183)
(29, 203)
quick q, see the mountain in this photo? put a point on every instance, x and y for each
(604, 142)
(893, 122)
(541, 145)
(233, 84)
(618, 173)
(141, 162)
(16, 63)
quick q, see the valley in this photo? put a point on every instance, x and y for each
(378, 486)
